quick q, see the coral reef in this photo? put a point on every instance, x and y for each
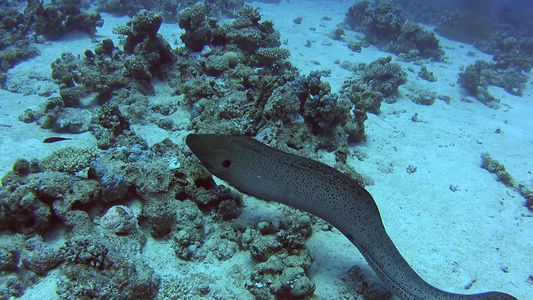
(527, 193)
(378, 81)
(119, 219)
(9, 257)
(415, 38)
(101, 74)
(321, 108)
(142, 40)
(230, 52)
(249, 34)
(233, 58)
(384, 77)
(15, 45)
(385, 26)
(200, 30)
(193, 242)
(35, 202)
(188, 287)
(105, 202)
(490, 164)
(381, 24)
(39, 257)
(168, 9)
(477, 77)
(38, 196)
(257, 77)
(493, 166)
(515, 54)
(269, 55)
(53, 114)
(68, 160)
(327, 117)
(476, 84)
(462, 21)
(426, 74)
(493, 29)
(112, 128)
(58, 18)
(234, 113)
(21, 28)
(283, 260)
(93, 270)
(363, 97)
(246, 33)
(216, 64)
(256, 84)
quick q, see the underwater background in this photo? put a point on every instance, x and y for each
(427, 104)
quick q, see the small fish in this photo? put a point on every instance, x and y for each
(55, 139)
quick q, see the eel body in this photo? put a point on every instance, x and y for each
(270, 174)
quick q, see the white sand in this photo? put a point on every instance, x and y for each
(450, 238)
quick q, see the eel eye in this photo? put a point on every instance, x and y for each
(226, 163)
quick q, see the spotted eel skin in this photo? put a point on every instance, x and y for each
(270, 174)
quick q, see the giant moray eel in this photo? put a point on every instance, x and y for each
(270, 174)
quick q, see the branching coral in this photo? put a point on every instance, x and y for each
(69, 160)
